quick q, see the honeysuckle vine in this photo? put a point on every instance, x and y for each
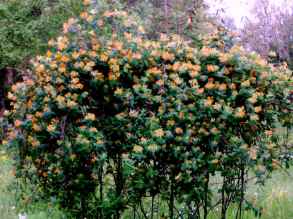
(110, 119)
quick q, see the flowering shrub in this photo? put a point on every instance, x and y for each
(110, 118)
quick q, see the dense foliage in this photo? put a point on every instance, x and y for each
(110, 118)
(26, 26)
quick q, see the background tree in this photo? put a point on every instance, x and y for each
(270, 32)
(183, 17)
(25, 28)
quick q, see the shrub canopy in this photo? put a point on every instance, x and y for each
(109, 118)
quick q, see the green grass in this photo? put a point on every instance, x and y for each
(8, 202)
(276, 197)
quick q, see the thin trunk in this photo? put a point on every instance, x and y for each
(223, 211)
(206, 199)
(101, 190)
(166, 14)
(119, 182)
(172, 198)
(152, 212)
(242, 184)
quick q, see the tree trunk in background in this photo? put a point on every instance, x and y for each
(2, 91)
(166, 15)
(7, 76)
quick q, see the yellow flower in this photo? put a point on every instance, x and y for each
(215, 130)
(137, 148)
(141, 29)
(153, 147)
(29, 82)
(90, 116)
(75, 55)
(14, 88)
(72, 156)
(86, 2)
(93, 129)
(193, 74)
(53, 65)
(99, 141)
(104, 57)
(215, 161)
(212, 68)
(240, 112)
(200, 90)
(60, 100)
(275, 164)
(118, 91)
(160, 82)
(35, 143)
(167, 56)
(51, 42)
(84, 15)
(253, 153)
(68, 24)
(64, 59)
(217, 106)
(75, 80)
(93, 54)
(258, 109)
(245, 83)
(73, 74)
(159, 133)
(233, 86)
(179, 131)
(177, 80)
(223, 57)
(269, 132)
(17, 123)
(40, 68)
(39, 114)
(254, 117)
(209, 85)
(155, 53)
(223, 87)
(62, 43)
(6, 113)
(253, 98)
(170, 122)
(206, 51)
(49, 54)
(163, 37)
(209, 102)
(36, 127)
(133, 113)
(136, 56)
(117, 45)
(71, 103)
(51, 128)
(154, 71)
(99, 76)
(62, 68)
(176, 66)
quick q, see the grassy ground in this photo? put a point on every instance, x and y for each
(8, 201)
(276, 197)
